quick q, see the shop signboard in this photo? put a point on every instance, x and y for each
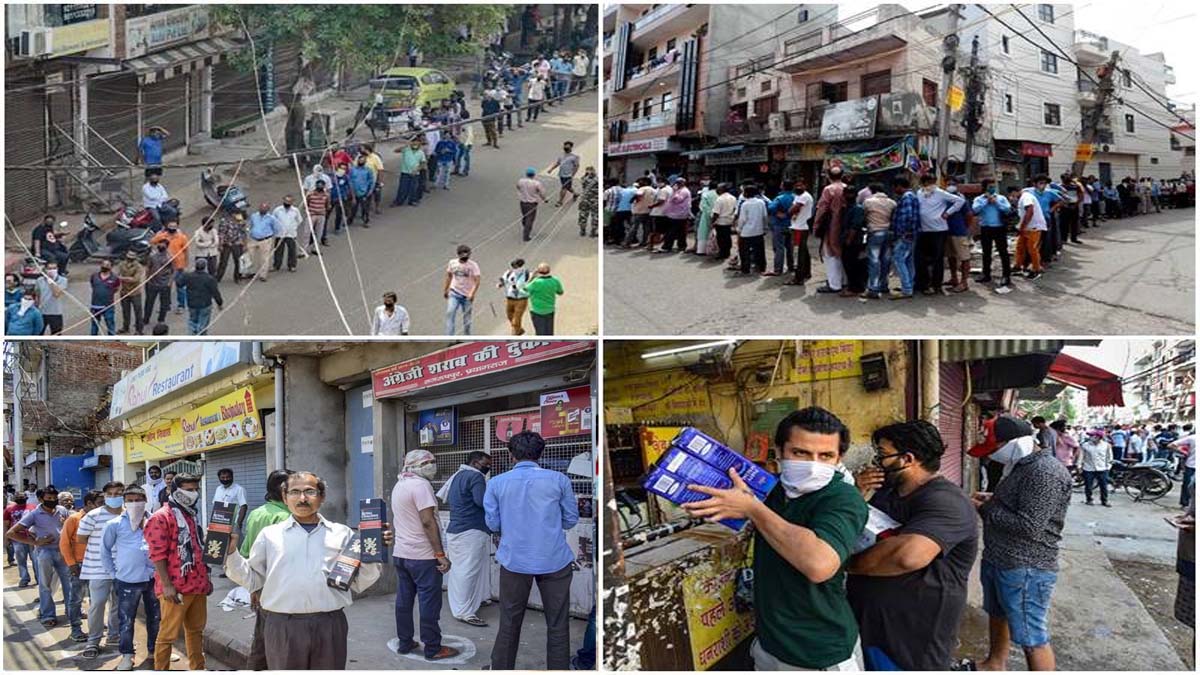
(656, 441)
(1084, 152)
(657, 395)
(510, 425)
(78, 37)
(748, 155)
(1029, 149)
(465, 361)
(156, 31)
(639, 146)
(899, 155)
(222, 422)
(850, 120)
(437, 426)
(174, 367)
(566, 413)
(715, 625)
(821, 360)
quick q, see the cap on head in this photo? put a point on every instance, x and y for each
(530, 171)
(131, 255)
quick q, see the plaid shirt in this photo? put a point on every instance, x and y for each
(906, 219)
(231, 231)
(161, 534)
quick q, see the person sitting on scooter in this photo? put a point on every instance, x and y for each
(154, 195)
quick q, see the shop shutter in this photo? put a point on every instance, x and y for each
(286, 59)
(164, 104)
(24, 143)
(112, 114)
(950, 419)
(249, 465)
(100, 476)
(234, 97)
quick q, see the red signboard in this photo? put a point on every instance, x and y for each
(465, 361)
(567, 413)
(508, 426)
(1036, 149)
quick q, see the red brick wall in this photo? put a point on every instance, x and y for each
(79, 377)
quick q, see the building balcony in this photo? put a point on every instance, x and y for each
(1168, 75)
(655, 121)
(1090, 49)
(608, 46)
(838, 43)
(1086, 92)
(752, 130)
(665, 21)
(898, 113)
(801, 124)
(640, 81)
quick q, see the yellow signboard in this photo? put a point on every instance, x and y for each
(1084, 152)
(714, 624)
(819, 360)
(228, 420)
(655, 441)
(78, 37)
(956, 98)
(658, 395)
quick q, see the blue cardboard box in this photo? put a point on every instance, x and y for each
(723, 458)
(675, 490)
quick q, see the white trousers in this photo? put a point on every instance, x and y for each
(834, 271)
(468, 583)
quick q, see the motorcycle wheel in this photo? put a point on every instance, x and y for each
(1149, 485)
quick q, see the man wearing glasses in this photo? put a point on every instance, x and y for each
(304, 625)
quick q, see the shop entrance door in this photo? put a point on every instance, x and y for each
(360, 438)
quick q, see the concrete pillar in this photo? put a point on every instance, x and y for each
(388, 423)
(206, 79)
(930, 381)
(81, 113)
(315, 440)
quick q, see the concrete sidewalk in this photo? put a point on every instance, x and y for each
(373, 626)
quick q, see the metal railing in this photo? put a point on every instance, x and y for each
(1093, 39)
(753, 127)
(657, 13)
(650, 68)
(658, 119)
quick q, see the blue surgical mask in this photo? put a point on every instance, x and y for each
(114, 502)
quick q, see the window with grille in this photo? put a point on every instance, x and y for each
(1052, 114)
(1049, 62)
(766, 86)
(1046, 13)
(1008, 104)
(637, 110)
(647, 107)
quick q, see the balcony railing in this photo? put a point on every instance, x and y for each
(753, 129)
(656, 120)
(655, 14)
(660, 63)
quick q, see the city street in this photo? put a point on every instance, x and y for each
(406, 248)
(1131, 277)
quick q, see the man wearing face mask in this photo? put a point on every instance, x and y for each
(104, 297)
(24, 318)
(264, 228)
(289, 219)
(459, 288)
(412, 160)
(804, 533)
(160, 270)
(177, 246)
(468, 538)
(73, 554)
(568, 166)
(229, 492)
(125, 555)
(154, 484)
(937, 206)
(419, 557)
(99, 580)
(41, 529)
(1022, 526)
(181, 578)
(909, 590)
(991, 207)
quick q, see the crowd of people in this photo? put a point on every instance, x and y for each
(344, 188)
(863, 234)
(828, 597)
(131, 547)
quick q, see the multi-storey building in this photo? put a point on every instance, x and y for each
(1165, 380)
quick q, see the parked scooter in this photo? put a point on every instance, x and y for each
(87, 245)
(147, 218)
(229, 197)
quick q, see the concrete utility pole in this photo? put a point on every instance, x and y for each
(1091, 131)
(975, 101)
(949, 63)
(17, 433)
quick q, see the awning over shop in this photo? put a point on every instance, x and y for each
(978, 350)
(697, 154)
(1046, 391)
(1103, 388)
(179, 60)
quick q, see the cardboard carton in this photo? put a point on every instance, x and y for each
(372, 516)
(674, 489)
(724, 458)
(345, 566)
(220, 527)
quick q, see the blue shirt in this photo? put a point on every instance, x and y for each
(531, 508)
(1118, 438)
(41, 523)
(466, 503)
(124, 551)
(1047, 198)
(625, 199)
(957, 222)
(362, 180)
(31, 323)
(151, 149)
(990, 212)
(781, 203)
(445, 151)
(340, 188)
(263, 226)
(906, 219)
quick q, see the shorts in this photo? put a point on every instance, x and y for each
(1022, 596)
(958, 248)
(567, 183)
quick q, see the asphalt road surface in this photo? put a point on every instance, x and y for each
(1130, 277)
(406, 248)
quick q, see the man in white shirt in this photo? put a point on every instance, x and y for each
(304, 627)
(229, 492)
(724, 212)
(154, 484)
(101, 591)
(289, 218)
(390, 318)
(801, 213)
(154, 195)
(1186, 444)
(658, 215)
(1030, 232)
(579, 71)
(1096, 459)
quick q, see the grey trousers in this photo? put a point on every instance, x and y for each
(257, 659)
(555, 589)
(305, 641)
(103, 595)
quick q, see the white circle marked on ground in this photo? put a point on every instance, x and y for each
(465, 647)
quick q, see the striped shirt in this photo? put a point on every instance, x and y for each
(92, 527)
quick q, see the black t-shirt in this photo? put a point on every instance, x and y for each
(40, 232)
(914, 618)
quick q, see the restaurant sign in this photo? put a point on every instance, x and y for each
(465, 361)
(174, 367)
(222, 422)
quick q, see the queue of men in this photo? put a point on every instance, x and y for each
(922, 231)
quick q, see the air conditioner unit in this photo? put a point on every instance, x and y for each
(36, 42)
(775, 122)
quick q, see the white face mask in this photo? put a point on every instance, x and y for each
(952, 189)
(26, 303)
(801, 477)
(53, 274)
(1012, 452)
(426, 471)
(185, 497)
(136, 510)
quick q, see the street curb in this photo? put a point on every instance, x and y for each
(225, 647)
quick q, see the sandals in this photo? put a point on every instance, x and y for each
(90, 652)
(472, 621)
(964, 664)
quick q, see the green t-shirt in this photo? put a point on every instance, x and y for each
(542, 292)
(798, 622)
(268, 514)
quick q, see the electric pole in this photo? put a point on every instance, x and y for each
(975, 99)
(17, 426)
(949, 63)
(1091, 128)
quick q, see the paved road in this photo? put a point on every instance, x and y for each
(406, 249)
(1130, 277)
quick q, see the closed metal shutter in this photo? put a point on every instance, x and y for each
(249, 465)
(164, 104)
(100, 476)
(112, 114)
(286, 59)
(24, 143)
(952, 388)
(233, 97)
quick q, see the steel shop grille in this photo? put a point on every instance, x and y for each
(479, 433)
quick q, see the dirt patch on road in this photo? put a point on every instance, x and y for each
(1155, 586)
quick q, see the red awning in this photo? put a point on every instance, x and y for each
(1103, 388)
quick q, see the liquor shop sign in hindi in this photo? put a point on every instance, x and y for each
(467, 360)
(567, 413)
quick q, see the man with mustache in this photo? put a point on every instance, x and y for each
(304, 622)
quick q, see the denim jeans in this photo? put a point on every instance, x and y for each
(22, 552)
(1021, 596)
(902, 260)
(419, 580)
(1185, 491)
(1091, 478)
(75, 604)
(127, 598)
(585, 658)
(464, 159)
(879, 260)
(106, 314)
(406, 190)
(180, 290)
(50, 563)
(453, 303)
(781, 249)
(443, 175)
(198, 318)
(102, 611)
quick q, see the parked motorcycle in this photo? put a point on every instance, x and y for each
(229, 197)
(147, 218)
(1144, 481)
(87, 245)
